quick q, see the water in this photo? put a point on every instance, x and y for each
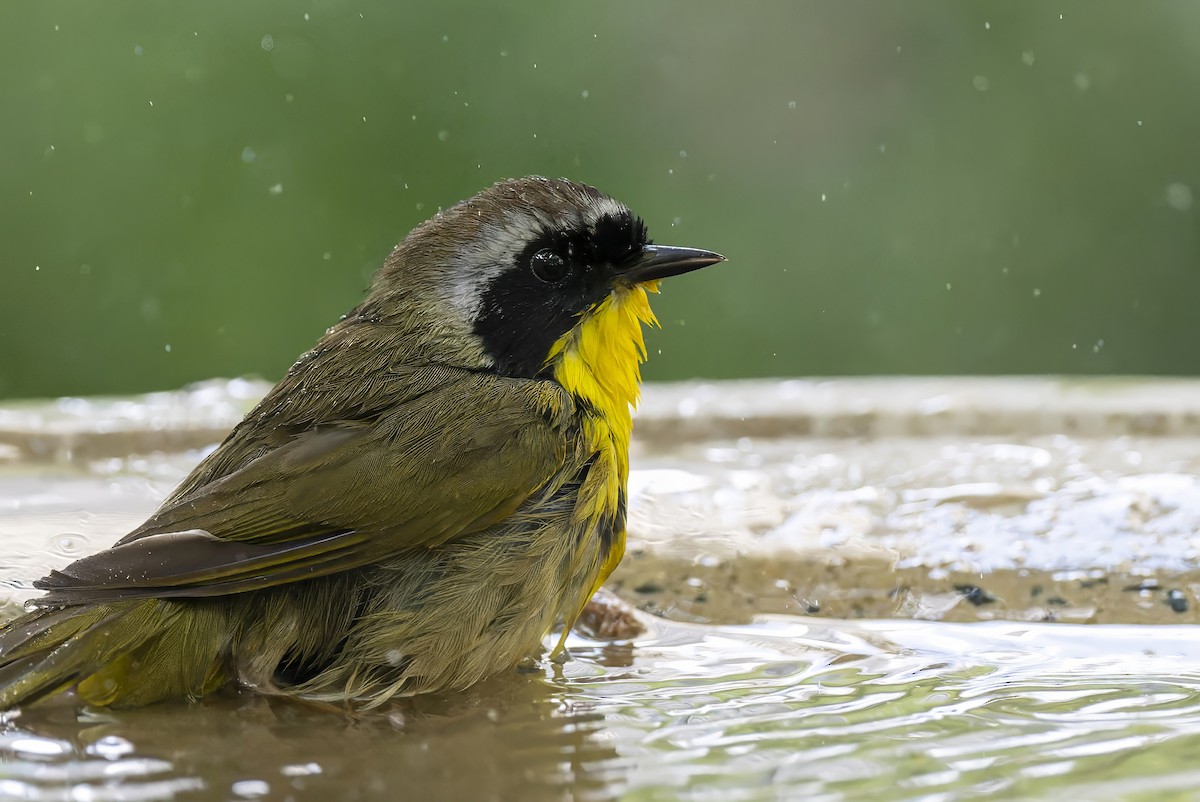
(779, 709)
(938, 694)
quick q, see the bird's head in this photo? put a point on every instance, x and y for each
(533, 277)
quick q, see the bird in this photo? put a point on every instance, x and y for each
(414, 506)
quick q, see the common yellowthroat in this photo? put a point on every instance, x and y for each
(415, 505)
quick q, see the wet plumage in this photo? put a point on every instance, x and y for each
(415, 505)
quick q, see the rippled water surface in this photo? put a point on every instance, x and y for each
(779, 709)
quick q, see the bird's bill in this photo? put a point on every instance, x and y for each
(664, 261)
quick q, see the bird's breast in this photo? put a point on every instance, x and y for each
(597, 362)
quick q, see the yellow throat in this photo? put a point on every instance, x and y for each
(598, 362)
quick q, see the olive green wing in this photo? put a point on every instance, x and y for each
(342, 495)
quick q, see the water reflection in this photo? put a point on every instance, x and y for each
(515, 737)
(782, 708)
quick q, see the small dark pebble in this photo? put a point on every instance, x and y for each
(1177, 600)
(1145, 584)
(648, 587)
(812, 608)
(1091, 583)
(975, 594)
(1057, 601)
(701, 598)
(529, 666)
(1035, 591)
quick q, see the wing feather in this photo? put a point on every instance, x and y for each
(460, 455)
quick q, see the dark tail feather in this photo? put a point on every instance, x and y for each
(131, 652)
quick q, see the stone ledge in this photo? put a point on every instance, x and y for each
(76, 429)
(922, 407)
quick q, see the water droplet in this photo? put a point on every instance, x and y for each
(68, 543)
(980, 82)
(1028, 58)
(1096, 348)
(250, 789)
(137, 50)
(276, 189)
(301, 769)
(248, 154)
(791, 104)
(1179, 197)
(443, 135)
(268, 42)
(167, 348)
(584, 94)
(1037, 292)
(110, 747)
(1082, 81)
(987, 26)
(822, 197)
(306, 17)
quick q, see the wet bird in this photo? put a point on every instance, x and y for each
(419, 500)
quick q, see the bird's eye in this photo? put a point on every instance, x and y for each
(547, 266)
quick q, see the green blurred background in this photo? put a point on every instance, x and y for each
(198, 190)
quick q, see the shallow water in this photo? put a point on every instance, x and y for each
(779, 709)
(723, 525)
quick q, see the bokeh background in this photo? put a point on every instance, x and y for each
(199, 189)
